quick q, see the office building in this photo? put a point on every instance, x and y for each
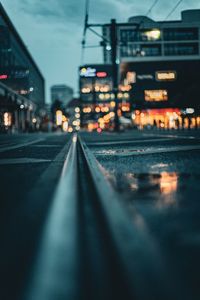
(161, 63)
(21, 82)
(18, 69)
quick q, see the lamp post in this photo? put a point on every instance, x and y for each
(113, 38)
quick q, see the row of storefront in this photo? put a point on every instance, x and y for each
(21, 82)
(154, 94)
(17, 114)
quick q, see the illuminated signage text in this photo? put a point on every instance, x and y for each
(166, 75)
(88, 72)
(155, 95)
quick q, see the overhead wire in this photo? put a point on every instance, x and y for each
(138, 27)
(173, 9)
(146, 15)
(151, 7)
(85, 30)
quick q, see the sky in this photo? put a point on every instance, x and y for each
(52, 30)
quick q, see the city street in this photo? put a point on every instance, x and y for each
(99, 150)
(125, 220)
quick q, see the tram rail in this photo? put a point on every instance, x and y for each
(91, 248)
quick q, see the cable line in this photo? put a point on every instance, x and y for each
(151, 7)
(173, 9)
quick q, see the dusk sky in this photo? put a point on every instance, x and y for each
(52, 30)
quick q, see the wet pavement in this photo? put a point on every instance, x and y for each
(157, 177)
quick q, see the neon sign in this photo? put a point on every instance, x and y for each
(131, 77)
(156, 95)
(3, 76)
(166, 75)
(101, 74)
(88, 72)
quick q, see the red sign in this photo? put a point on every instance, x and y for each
(3, 76)
(101, 74)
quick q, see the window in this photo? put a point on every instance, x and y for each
(151, 50)
(134, 50)
(133, 35)
(180, 34)
(182, 49)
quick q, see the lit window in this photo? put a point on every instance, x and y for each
(152, 35)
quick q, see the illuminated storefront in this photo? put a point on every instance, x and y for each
(165, 118)
(163, 94)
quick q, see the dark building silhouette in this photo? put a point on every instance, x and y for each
(18, 70)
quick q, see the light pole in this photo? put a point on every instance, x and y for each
(113, 38)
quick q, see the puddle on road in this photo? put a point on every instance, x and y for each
(118, 151)
(165, 189)
(144, 150)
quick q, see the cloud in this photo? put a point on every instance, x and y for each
(72, 12)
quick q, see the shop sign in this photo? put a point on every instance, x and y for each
(166, 75)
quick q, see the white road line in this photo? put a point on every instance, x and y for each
(127, 142)
(172, 136)
(20, 145)
(132, 152)
(13, 161)
(46, 146)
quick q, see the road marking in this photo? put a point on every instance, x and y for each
(132, 152)
(13, 161)
(46, 146)
(173, 136)
(20, 145)
(127, 142)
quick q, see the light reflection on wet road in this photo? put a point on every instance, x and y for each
(160, 190)
(158, 183)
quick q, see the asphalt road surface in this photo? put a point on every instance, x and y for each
(155, 174)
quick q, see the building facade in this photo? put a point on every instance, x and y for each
(21, 82)
(18, 70)
(97, 96)
(147, 40)
(62, 93)
(161, 63)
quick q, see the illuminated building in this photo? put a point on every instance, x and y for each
(161, 63)
(97, 96)
(21, 82)
(62, 93)
(18, 70)
(157, 41)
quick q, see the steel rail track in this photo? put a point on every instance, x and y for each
(90, 248)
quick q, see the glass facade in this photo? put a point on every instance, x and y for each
(181, 49)
(141, 50)
(17, 68)
(152, 42)
(127, 35)
(180, 34)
